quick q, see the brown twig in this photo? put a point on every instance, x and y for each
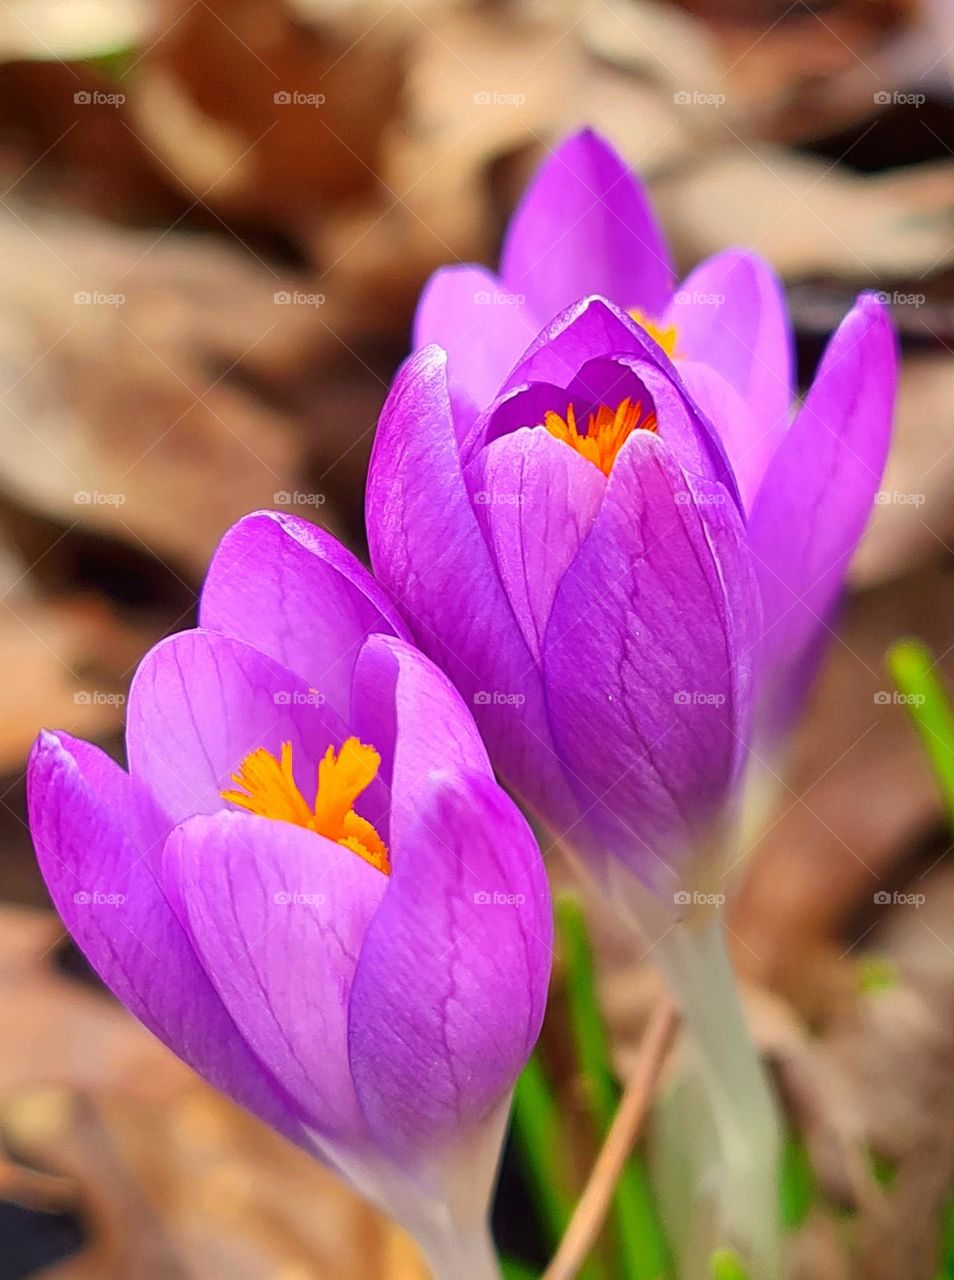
(591, 1210)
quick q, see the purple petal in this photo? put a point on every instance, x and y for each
(418, 721)
(278, 915)
(200, 702)
(427, 548)
(730, 314)
(593, 350)
(292, 590)
(817, 494)
(590, 329)
(540, 498)
(586, 226)
(649, 662)
(451, 986)
(483, 327)
(748, 447)
(97, 844)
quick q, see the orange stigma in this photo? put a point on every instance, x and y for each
(268, 789)
(607, 430)
(664, 335)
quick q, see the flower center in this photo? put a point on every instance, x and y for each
(268, 789)
(606, 430)
(664, 335)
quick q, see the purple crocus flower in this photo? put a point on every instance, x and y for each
(585, 226)
(308, 884)
(578, 551)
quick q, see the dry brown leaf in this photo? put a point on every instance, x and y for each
(859, 796)
(262, 111)
(174, 1181)
(913, 521)
(810, 218)
(142, 374)
(71, 659)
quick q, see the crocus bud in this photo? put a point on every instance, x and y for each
(578, 554)
(308, 883)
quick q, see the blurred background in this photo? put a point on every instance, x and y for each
(214, 221)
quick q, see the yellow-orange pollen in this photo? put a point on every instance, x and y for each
(606, 430)
(665, 335)
(269, 789)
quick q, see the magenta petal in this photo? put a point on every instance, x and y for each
(817, 494)
(277, 915)
(748, 447)
(592, 328)
(451, 986)
(427, 549)
(96, 850)
(649, 660)
(200, 702)
(419, 723)
(292, 590)
(730, 314)
(536, 500)
(483, 327)
(593, 350)
(586, 226)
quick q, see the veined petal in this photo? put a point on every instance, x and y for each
(585, 225)
(277, 915)
(648, 660)
(591, 328)
(98, 845)
(817, 493)
(419, 723)
(748, 447)
(730, 314)
(451, 986)
(427, 548)
(483, 327)
(578, 351)
(201, 702)
(539, 500)
(292, 590)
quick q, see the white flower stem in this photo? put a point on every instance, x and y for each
(453, 1256)
(732, 1186)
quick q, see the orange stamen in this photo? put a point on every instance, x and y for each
(607, 430)
(664, 335)
(269, 789)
